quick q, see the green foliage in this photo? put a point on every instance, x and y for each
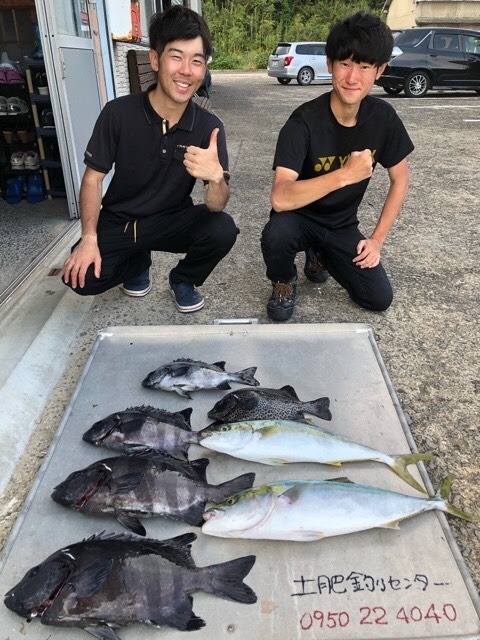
(245, 32)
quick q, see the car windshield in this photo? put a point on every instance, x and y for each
(411, 37)
(282, 49)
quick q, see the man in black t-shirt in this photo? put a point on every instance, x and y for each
(326, 153)
(160, 143)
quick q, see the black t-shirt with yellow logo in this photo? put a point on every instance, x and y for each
(312, 142)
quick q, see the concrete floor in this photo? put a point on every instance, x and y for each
(27, 232)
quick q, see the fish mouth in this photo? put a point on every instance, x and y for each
(213, 514)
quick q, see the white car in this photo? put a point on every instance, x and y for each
(300, 61)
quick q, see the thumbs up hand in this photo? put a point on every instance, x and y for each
(203, 163)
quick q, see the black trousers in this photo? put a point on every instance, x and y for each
(288, 232)
(125, 245)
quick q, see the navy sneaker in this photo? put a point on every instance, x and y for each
(186, 296)
(282, 301)
(138, 286)
(314, 269)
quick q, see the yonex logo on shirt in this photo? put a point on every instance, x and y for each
(327, 163)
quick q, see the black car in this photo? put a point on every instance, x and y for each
(433, 58)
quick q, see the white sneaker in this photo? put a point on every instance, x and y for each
(31, 160)
(16, 107)
(17, 160)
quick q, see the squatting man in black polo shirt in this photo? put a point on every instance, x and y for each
(160, 142)
(325, 156)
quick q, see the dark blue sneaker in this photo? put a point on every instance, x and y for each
(138, 286)
(282, 301)
(186, 296)
(314, 269)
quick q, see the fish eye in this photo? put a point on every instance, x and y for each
(230, 501)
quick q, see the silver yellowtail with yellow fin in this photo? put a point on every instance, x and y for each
(278, 442)
(311, 510)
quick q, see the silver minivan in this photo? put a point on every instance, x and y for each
(303, 61)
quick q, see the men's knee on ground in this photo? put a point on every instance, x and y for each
(377, 301)
(92, 287)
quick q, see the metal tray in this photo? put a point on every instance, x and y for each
(379, 584)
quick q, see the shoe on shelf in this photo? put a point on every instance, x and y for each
(13, 77)
(41, 83)
(17, 160)
(35, 188)
(15, 189)
(16, 106)
(24, 135)
(46, 119)
(186, 296)
(3, 106)
(138, 286)
(282, 301)
(314, 269)
(3, 76)
(31, 160)
(10, 135)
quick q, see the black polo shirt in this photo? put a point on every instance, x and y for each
(149, 174)
(312, 142)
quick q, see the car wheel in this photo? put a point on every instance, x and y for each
(305, 76)
(284, 80)
(393, 91)
(416, 84)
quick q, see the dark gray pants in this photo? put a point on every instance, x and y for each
(288, 232)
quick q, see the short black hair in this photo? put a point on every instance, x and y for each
(178, 23)
(363, 37)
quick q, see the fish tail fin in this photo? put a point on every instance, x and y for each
(226, 580)
(321, 408)
(222, 491)
(401, 462)
(246, 376)
(443, 494)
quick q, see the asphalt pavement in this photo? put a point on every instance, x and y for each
(428, 338)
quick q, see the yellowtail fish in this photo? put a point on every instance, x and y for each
(278, 442)
(310, 510)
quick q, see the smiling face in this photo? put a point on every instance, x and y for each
(352, 81)
(181, 68)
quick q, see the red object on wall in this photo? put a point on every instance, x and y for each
(136, 28)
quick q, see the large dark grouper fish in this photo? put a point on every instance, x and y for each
(144, 428)
(145, 486)
(110, 581)
(267, 404)
(306, 510)
(186, 375)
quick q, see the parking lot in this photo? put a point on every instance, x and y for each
(428, 338)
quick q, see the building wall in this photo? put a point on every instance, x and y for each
(448, 13)
(401, 14)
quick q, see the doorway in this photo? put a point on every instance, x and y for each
(56, 46)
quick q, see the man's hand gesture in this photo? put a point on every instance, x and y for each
(204, 163)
